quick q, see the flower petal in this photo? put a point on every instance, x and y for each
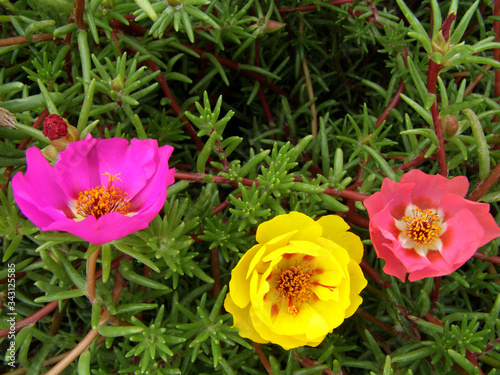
(241, 319)
(336, 229)
(239, 277)
(307, 227)
(435, 186)
(77, 168)
(44, 202)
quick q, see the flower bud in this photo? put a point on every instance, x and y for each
(117, 84)
(59, 132)
(273, 26)
(55, 127)
(450, 125)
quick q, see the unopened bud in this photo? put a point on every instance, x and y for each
(450, 125)
(59, 132)
(117, 84)
(273, 26)
(55, 127)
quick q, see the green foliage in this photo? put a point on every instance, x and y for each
(271, 107)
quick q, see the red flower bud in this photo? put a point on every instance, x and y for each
(55, 127)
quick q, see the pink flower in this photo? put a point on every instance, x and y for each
(99, 189)
(423, 225)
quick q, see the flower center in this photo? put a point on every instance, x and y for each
(422, 226)
(102, 200)
(293, 287)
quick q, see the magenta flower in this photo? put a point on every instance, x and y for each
(425, 227)
(99, 189)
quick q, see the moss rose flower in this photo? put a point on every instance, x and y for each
(298, 283)
(423, 226)
(99, 189)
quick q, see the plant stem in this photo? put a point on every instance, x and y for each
(263, 358)
(22, 39)
(486, 185)
(214, 260)
(386, 327)
(79, 348)
(91, 264)
(432, 74)
(33, 318)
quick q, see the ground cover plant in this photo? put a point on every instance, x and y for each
(249, 187)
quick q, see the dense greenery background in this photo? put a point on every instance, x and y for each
(272, 106)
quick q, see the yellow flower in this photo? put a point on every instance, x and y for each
(298, 283)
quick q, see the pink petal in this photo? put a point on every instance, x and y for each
(429, 189)
(134, 164)
(385, 241)
(105, 229)
(395, 195)
(40, 202)
(76, 168)
(451, 204)
(153, 195)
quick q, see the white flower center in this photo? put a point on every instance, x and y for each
(421, 229)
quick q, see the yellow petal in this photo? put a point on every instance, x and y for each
(307, 227)
(242, 320)
(331, 312)
(273, 244)
(336, 229)
(239, 284)
(297, 247)
(287, 342)
(339, 253)
(358, 283)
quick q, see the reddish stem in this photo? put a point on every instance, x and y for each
(79, 8)
(200, 177)
(173, 103)
(486, 185)
(394, 102)
(435, 292)
(91, 264)
(480, 255)
(370, 271)
(33, 318)
(214, 260)
(35, 38)
(432, 74)
(263, 358)
(386, 327)
(413, 163)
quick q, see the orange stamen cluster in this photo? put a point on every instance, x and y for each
(422, 226)
(102, 200)
(293, 287)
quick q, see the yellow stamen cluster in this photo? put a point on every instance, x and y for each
(293, 287)
(102, 200)
(422, 226)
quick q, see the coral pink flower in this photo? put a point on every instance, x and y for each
(424, 227)
(99, 189)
